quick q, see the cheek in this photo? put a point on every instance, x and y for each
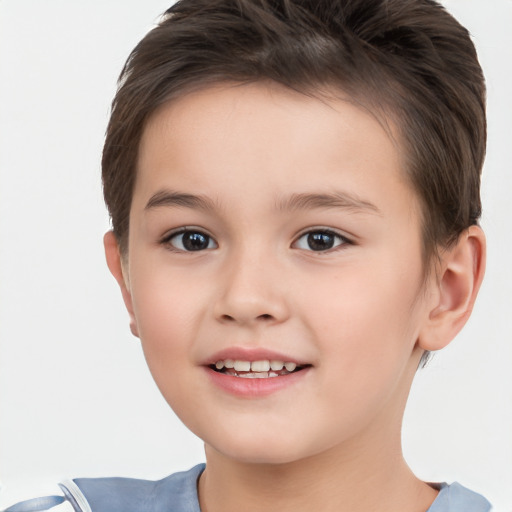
(367, 318)
(166, 311)
(166, 327)
(368, 333)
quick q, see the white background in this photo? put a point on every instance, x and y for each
(76, 397)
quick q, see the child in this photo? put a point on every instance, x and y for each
(294, 193)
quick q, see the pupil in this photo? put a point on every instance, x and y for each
(195, 241)
(320, 241)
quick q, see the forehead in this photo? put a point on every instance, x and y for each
(270, 137)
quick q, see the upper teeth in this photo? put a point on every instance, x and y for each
(255, 366)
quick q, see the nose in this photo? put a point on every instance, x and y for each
(252, 292)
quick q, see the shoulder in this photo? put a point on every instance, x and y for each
(457, 498)
(175, 493)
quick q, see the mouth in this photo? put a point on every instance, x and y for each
(262, 369)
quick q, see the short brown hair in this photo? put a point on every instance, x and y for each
(408, 60)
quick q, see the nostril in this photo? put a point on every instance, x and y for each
(233, 319)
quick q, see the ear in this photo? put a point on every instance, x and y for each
(115, 265)
(461, 273)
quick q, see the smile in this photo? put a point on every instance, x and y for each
(262, 369)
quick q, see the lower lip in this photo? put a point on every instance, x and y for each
(254, 388)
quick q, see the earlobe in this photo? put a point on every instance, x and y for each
(115, 265)
(461, 273)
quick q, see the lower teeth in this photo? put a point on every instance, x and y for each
(255, 375)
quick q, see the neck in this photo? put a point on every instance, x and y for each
(345, 478)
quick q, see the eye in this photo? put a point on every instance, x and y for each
(320, 240)
(190, 240)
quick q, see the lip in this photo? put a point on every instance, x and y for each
(252, 354)
(254, 388)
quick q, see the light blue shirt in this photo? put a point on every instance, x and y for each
(178, 493)
(457, 498)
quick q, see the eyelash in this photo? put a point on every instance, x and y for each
(167, 240)
(343, 240)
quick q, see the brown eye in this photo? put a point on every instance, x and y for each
(319, 241)
(191, 241)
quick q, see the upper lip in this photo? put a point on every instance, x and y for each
(252, 354)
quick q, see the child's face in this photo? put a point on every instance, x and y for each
(307, 249)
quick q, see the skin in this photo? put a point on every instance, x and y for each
(360, 313)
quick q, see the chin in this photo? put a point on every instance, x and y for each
(263, 457)
(262, 449)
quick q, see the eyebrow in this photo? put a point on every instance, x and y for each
(305, 201)
(341, 200)
(171, 198)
